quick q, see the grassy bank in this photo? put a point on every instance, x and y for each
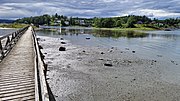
(137, 28)
(14, 25)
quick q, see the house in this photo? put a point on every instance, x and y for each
(139, 22)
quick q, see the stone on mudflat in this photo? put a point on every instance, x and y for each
(108, 64)
(38, 39)
(88, 38)
(40, 47)
(102, 52)
(63, 42)
(62, 49)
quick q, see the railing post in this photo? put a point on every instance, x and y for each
(43, 89)
(10, 41)
(1, 50)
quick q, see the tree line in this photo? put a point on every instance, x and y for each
(112, 22)
(54, 20)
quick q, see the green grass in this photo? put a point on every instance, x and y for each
(138, 27)
(13, 25)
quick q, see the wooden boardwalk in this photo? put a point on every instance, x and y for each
(17, 76)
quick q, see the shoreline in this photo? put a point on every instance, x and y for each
(103, 74)
(6, 28)
(130, 29)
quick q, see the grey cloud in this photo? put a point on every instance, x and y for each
(89, 8)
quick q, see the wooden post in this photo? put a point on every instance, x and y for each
(1, 51)
(8, 40)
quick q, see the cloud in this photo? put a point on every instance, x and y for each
(89, 8)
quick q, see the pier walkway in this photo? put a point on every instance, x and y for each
(19, 77)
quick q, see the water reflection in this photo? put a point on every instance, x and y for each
(6, 31)
(149, 45)
(117, 34)
(97, 33)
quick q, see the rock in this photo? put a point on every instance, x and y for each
(45, 53)
(159, 55)
(126, 48)
(133, 51)
(68, 66)
(102, 52)
(172, 61)
(62, 49)
(88, 38)
(167, 29)
(110, 51)
(63, 42)
(42, 56)
(40, 47)
(108, 64)
(84, 51)
(38, 39)
(152, 64)
(62, 39)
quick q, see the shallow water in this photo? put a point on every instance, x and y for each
(6, 31)
(164, 45)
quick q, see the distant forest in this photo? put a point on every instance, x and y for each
(113, 22)
(6, 21)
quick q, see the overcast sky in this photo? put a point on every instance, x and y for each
(12, 9)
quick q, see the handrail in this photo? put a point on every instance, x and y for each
(8, 41)
(41, 90)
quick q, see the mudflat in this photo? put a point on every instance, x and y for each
(106, 74)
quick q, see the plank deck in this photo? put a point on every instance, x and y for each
(17, 82)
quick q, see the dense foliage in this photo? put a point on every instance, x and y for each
(130, 21)
(54, 20)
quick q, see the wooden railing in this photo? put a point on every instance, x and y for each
(41, 89)
(8, 41)
(6, 44)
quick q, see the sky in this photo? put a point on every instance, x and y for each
(13, 9)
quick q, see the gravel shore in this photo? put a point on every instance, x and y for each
(101, 74)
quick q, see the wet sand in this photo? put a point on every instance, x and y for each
(101, 74)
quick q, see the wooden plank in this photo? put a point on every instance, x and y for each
(18, 97)
(17, 70)
(40, 67)
(17, 87)
(16, 90)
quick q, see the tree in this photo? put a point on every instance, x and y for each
(108, 23)
(131, 22)
(98, 22)
(118, 23)
(56, 15)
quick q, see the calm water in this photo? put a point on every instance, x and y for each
(6, 31)
(163, 45)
